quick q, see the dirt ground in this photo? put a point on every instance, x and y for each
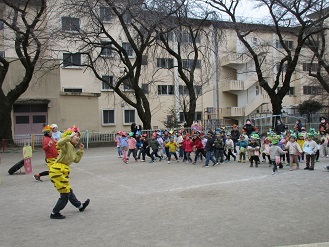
(160, 204)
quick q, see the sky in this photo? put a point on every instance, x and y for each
(247, 10)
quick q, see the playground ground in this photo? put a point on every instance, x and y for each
(160, 204)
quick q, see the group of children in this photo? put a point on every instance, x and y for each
(289, 146)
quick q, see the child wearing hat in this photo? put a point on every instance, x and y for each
(242, 144)
(294, 151)
(310, 147)
(275, 153)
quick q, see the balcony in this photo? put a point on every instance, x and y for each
(234, 59)
(237, 85)
(232, 85)
(233, 112)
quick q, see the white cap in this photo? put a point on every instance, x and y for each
(54, 126)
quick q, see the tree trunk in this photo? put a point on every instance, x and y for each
(276, 107)
(5, 130)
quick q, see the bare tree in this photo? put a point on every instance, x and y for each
(187, 37)
(24, 25)
(317, 43)
(117, 39)
(288, 18)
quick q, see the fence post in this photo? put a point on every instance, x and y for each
(87, 139)
(32, 141)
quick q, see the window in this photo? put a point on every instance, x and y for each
(1, 25)
(108, 85)
(257, 90)
(72, 90)
(312, 90)
(39, 119)
(22, 119)
(129, 116)
(167, 36)
(105, 13)
(254, 40)
(145, 88)
(70, 59)
(2, 54)
(165, 63)
(187, 63)
(289, 44)
(197, 116)
(310, 66)
(184, 91)
(127, 47)
(186, 37)
(127, 18)
(70, 24)
(144, 60)
(165, 89)
(108, 117)
(106, 49)
(291, 91)
(283, 67)
(127, 86)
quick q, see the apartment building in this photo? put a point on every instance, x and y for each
(226, 83)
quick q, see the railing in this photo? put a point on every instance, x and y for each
(256, 102)
(233, 111)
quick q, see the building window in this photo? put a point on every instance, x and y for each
(2, 54)
(186, 37)
(188, 63)
(129, 116)
(283, 67)
(165, 89)
(288, 43)
(127, 18)
(128, 48)
(184, 91)
(291, 91)
(165, 63)
(197, 116)
(72, 90)
(145, 88)
(108, 117)
(167, 36)
(144, 60)
(107, 82)
(70, 59)
(105, 13)
(312, 90)
(127, 86)
(310, 66)
(254, 40)
(106, 49)
(70, 24)
(1, 25)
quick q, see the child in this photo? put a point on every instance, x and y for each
(154, 144)
(51, 152)
(310, 147)
(173, 146)
(254, 151)
(242, 144)
(117, 141)
(266, 150)
(145, 148)
(60, 170)
(199, 148)
(229, 145)
(301, 137)
(294, 151)
(219, 148)
(124, 146)
(275, 152)
(132, 145)
(188, 148)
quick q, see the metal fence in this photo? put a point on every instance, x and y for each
(108, 138)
